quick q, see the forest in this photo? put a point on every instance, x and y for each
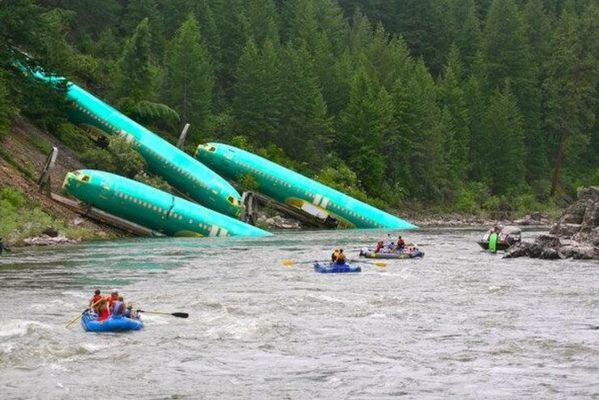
(461, 104)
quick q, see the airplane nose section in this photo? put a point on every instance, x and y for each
(69, 179)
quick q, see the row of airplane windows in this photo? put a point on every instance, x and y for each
(308, 195)
(156, 208)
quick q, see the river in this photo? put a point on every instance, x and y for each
(460, 323)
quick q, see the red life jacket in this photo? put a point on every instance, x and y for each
(104, 314)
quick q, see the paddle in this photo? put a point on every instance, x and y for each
(175, 314)
(289, 263)
(84, 311)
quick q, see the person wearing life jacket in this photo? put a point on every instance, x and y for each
(95, 298)
(130, 312)
(114, 296)
(117, 308)
(400, 243)
(379, 246)
(334, 255)
(103, 312)
(340, 257)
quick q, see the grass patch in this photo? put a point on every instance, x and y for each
(22, 219)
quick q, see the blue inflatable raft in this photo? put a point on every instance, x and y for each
(334, 268)
(113, 324)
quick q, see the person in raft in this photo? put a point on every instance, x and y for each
(114, 296)
(400, 243)
(95, 298)
(130, 312)
(334, 255)
(379, 246)
(102, 310)
(340, 257)
(3, 247)
(117, 308)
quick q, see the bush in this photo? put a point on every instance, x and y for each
(12, 197)
(126, 159)
(120, 158)
(248, 183)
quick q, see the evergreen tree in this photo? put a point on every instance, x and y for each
(416, 151)
(190, 79)
(257, 94)
(451, 100)
(505, 151)
(465, 28)
(364, 125)
(135, 81)
(136, 11)
(572, 88)
(507, 56)
(305, 126)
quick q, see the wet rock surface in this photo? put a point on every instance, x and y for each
(574, 235)
(46, 240)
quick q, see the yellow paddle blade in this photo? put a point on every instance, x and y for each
(380, 264)
(288, 263)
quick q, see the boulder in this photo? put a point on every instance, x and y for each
(565, 230)
(575, 235)
(549, 253)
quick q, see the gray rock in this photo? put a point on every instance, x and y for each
(549, 253)
(566, 230)
(547, 241)
(45, 240)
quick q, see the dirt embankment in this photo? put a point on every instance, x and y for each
(27, 148)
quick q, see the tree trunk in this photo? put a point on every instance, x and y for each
(558, 159)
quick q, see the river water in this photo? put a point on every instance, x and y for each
(460, 323)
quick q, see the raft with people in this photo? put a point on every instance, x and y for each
(115, 323)
(392, 255)
(396, 250)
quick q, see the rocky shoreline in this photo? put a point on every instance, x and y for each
(574, 235)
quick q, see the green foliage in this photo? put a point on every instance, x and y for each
(120, 158)
(248, 183)
(7, 110)
(421, 99)
(22, 219)
(342, 178)
(12, 197)
(136, 73)
(190, 78)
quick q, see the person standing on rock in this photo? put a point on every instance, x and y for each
(493, 241)
(3, 247)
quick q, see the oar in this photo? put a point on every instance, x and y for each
(79, 316)
(175, 314)
(290, 263)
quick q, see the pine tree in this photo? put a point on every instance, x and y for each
(507, 56)
(364, 125)
(305, 125)
(415, 153)
(190, 79)
(465, 28)
(457, 121)
(571, 88)
(136, 74)
(505, 151)
(257, 94)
